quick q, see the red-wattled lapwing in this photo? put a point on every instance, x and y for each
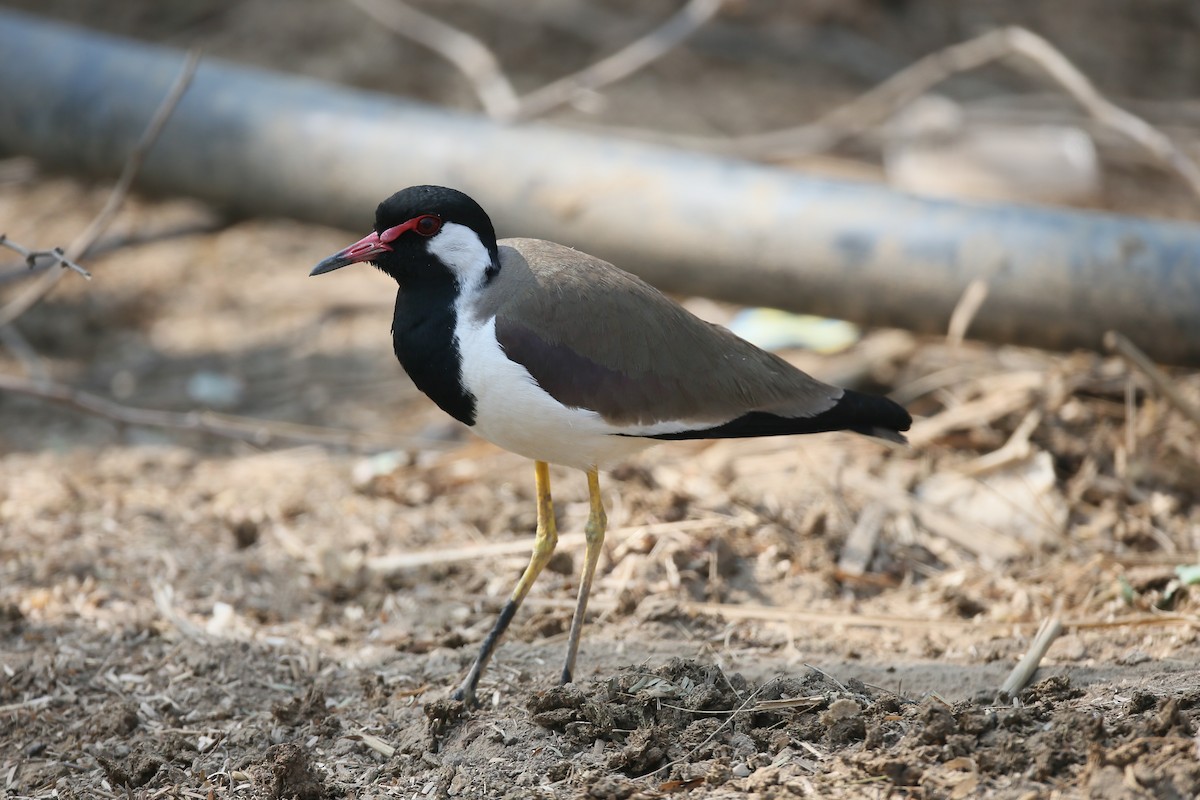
(565, 359)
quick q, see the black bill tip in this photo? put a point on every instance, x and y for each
(330, 264)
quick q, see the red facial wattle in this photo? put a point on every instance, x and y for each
(374, 244)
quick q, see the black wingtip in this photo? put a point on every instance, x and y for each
(872, 415)
(868, 414)
(883, 433)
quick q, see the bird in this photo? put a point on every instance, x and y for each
(565, 359)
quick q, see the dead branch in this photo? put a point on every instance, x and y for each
(133, 164)
(624, 62)
(870, 109)
(116, 198)
(470, 56)
(23, 351)
(482, 69)
(864, 113)
(246, 429)
(55, 255)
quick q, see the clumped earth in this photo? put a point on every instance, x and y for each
(188, 617)
(233, 718)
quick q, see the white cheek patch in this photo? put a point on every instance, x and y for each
(459, 248)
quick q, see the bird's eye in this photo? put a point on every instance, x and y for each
(428, 225)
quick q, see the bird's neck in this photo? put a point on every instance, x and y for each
(423, 335)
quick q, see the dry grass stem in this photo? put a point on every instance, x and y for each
(35, 702)
(965, 310)
(1017, 392)
(164, 601)
(375, 743)
(246, 429)
(1023, 673)
(789, 702)
(772, 614)
(1017, 448)
(747, 705)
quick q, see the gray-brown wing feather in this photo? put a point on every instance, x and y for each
(595, 337)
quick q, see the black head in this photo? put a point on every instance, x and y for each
(421, 233)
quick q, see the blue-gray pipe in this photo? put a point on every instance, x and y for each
(267, 144)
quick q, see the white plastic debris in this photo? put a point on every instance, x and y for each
(215, 389)
(1021, 501)
(221, 620)
(772, 329)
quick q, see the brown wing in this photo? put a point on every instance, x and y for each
(595, 337)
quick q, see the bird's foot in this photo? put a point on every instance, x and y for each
(443, 715)
(466, 696)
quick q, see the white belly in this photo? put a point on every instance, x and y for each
(512, 411)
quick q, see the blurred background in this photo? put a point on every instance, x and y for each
(211, 466)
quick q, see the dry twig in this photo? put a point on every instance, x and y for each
(55, 255)
(116, 198)
(246, 429)
(393, 562)
(1017, 391)
(965, 310)
(374, 742)
(1050, 630)
(23, 704)
(1135, 357)
(1017, 448)
(164, 601)
(479, 65)
(798, 615)
(624, 62)
(743, 708)
(469, 55)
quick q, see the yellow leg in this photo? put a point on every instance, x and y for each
(543, 548)
(597, 521)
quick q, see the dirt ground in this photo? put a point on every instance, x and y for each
(183, 616)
